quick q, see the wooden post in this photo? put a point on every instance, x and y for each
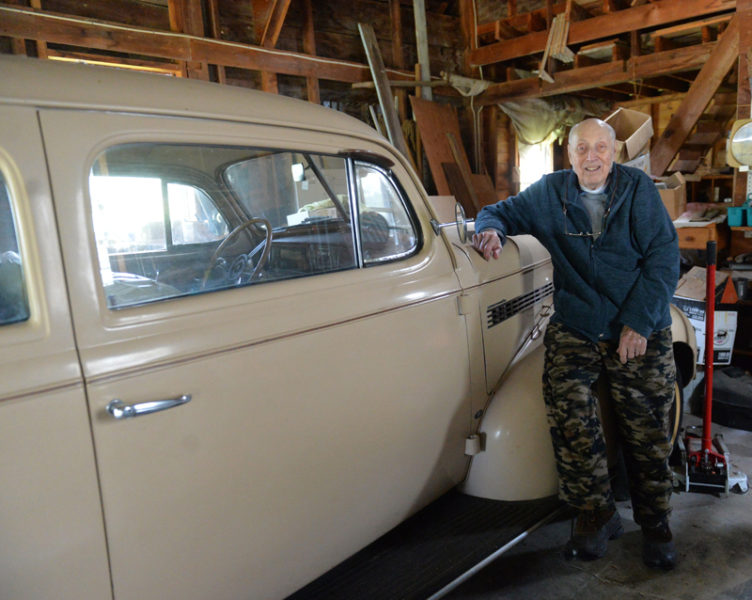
(309, 47)
(421, 40)
(186, 16)
(744, 14)
(216, 31)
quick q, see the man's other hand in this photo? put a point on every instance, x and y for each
(487, 243)
(631, 344)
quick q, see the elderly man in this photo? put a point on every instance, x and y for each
(616, 266)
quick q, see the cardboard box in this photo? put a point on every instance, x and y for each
(724, 326)
(633, 132)
(690, 299)
(642, 162)
(692, 286)
(674, 195)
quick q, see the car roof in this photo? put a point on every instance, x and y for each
(50, 83)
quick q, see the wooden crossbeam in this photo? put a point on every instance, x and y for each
(640, 17)
(619, 71)
(24, 23)
(698, 97)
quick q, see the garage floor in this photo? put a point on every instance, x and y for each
(714, 543)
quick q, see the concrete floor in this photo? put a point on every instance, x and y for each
(713, 537)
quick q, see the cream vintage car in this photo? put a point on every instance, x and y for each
(237, 344)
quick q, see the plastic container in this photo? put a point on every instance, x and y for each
(748, 211)
(736, 216)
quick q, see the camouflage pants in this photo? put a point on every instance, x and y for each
(642, 392)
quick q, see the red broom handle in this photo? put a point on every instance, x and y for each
(709, 335)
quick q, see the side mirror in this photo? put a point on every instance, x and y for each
(460, 221)
(739, 144)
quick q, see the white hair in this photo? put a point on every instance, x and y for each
(573, 131)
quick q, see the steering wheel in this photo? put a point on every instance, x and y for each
(265, 247)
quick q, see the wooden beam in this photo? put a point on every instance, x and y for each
(398, 54)
(639, 17)
(638, 67)
(309, 47)
(269, 16)
(216, 31)
(698, 97)
(383, 91)
(186, 16)
(19, 22)
(41, 45)
(421, 42)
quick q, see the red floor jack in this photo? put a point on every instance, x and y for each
(706, 460)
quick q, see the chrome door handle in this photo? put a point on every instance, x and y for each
(121, 410)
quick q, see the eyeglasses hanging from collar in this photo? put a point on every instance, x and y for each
(591, 235)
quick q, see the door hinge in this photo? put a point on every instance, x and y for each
(472, 445)
(465, 304)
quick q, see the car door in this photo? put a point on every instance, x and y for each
(52, 542)
(328, 389)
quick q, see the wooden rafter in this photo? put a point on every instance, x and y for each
(186, 16)
(309, 46)
(698, 97)
(610, 73)
(269, 16)
(213, 13)
(639, 17)
(24, 23)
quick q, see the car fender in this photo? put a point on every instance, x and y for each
(516, 461)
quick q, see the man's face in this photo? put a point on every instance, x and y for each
(592, 154)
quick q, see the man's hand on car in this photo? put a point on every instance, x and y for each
(487, 243)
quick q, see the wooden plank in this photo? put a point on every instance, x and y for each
(18, 22)
(269, 16)
(458, 153)
(383, 91)
(698, 97)
(690, 26)
(398, 54)
(639, 17)
(434, 121)
(309, 47)
(41, 45)
(639, 67)
(124, 12)
(421, 41)
(216, 32)
(461, 189)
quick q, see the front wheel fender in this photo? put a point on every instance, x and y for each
(517, 461)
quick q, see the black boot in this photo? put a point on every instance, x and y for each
(658, 549)
(592, 530)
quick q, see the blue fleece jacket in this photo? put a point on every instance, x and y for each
(626, 276)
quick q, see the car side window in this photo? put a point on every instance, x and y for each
(174, 220)
(387, 231)
(14, 305)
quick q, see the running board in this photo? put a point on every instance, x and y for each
(434, 551)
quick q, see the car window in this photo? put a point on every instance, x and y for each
(14, 306)
(174, 220)
(387, 231)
